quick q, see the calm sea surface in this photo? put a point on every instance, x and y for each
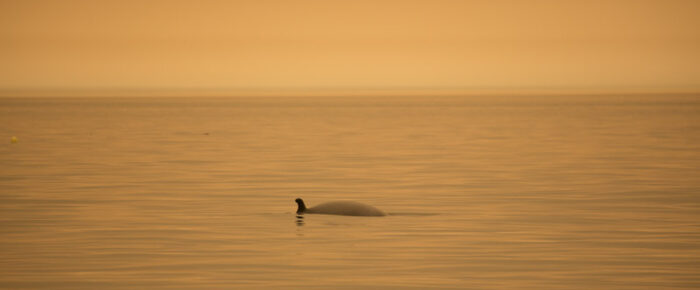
(484, 193)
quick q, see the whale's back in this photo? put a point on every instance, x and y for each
(351, 208)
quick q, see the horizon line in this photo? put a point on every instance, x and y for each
(333, 92)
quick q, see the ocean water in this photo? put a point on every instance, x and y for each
(567, 192)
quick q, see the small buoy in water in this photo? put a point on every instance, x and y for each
(13, 140)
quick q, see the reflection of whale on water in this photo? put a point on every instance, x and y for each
(300, 219)
(340, 208)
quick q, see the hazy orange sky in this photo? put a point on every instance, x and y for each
(358, 44)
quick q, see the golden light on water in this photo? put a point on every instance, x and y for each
(534, 144)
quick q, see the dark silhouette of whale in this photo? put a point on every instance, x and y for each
(351, 208)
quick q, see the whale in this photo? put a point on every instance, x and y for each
(350, 208)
